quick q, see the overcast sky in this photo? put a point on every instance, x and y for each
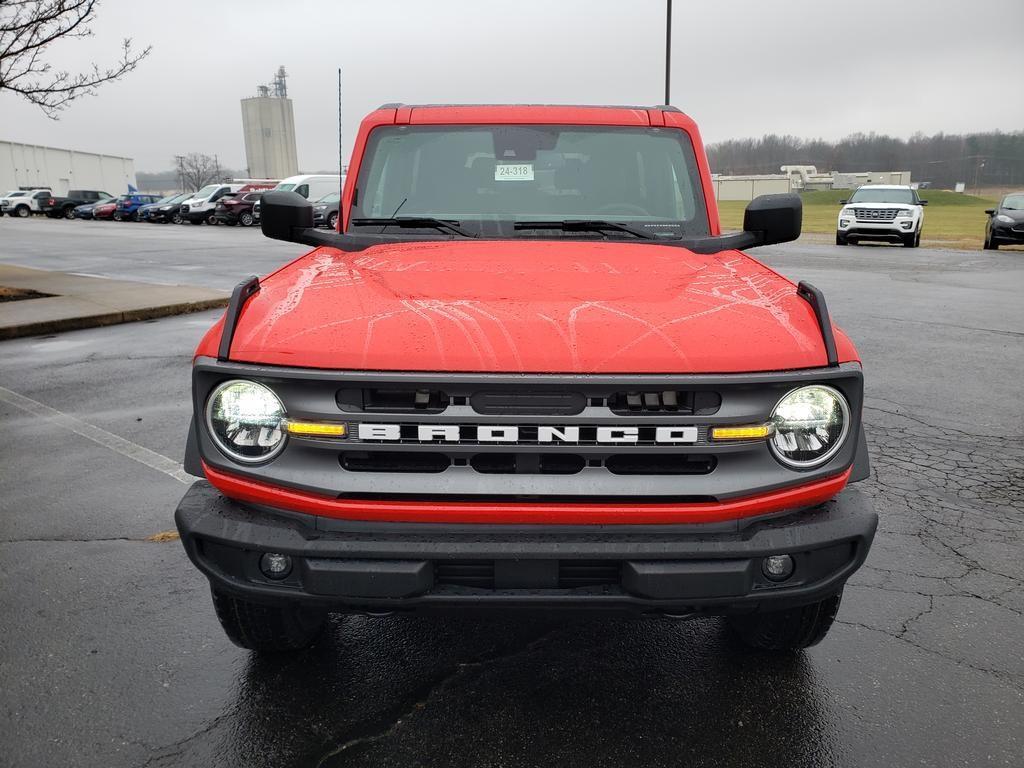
(740, 67)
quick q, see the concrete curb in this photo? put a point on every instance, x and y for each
(73, 302)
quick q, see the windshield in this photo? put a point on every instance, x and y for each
(206, 191)
(16, 194)
(876, 195)
(333, 197)
(508, 173)
(1013, 202)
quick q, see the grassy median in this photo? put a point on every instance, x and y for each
(951, 220)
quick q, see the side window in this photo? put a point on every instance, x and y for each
(303, 189)
(218, 194)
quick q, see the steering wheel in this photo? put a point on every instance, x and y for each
(623, 208)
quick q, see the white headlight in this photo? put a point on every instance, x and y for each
(811, 424)
(1004, 218)
(246, 420)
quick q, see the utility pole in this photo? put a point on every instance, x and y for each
(668, 51)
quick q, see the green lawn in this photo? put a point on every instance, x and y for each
(950, 219)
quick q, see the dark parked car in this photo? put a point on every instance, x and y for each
(170, 211)
(145, 211)
(64, 207)
(237, 208)
(1005, 224)
(86, 211)
(128, 205)
(325, 211)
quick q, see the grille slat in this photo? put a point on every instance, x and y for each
(572, 574)
(875, 214)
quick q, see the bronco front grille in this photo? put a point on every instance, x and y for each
(875, 214)
(529, 438)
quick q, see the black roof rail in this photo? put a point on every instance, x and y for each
(241, 294)
(816, 299)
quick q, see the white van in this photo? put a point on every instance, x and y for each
(312, 187)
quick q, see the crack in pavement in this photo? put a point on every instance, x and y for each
(394, 721)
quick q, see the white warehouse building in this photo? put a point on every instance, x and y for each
(32, 165)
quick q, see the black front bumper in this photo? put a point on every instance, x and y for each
(374, 567)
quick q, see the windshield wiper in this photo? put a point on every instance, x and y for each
(415, 221)
(585, 225)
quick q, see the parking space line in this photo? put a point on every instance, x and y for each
(117, 444)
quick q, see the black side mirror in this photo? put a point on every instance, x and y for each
(774, 218)
(842, 202)
(990, 211)
(922, 202)
(285, 215)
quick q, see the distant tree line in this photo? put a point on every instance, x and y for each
(978, 159)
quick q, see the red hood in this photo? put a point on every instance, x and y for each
(537, 307)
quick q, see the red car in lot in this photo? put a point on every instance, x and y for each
(105, 210)
(528, 373)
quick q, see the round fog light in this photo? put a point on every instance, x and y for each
(275, 566)
(777, 567)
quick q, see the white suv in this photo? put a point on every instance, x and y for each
(882, 212)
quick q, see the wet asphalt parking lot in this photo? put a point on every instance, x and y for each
(110, 654)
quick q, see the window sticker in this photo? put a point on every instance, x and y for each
(513, 172)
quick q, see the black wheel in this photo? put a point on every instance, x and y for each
(267, 628)
(909, 241)
(245, 219)
(69, 212)
(332, 221)
(788, 630)
(990, 243)
(211, 219)
(22, 212)
(917, 239)
(118, 216)
(840, 239)
(176, 219)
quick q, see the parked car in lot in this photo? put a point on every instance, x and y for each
(86, 211)
(325, 211)
(128, 205)
(889, 212)
(64, 207)
(104, 210)
(1005, 225)
(142, 214)
(433, 410)
(23, 202)
(167, 210)
(237, 209)
(202, 206)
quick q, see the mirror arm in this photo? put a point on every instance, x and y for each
(732, 242)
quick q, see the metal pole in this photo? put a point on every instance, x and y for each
(668, 50)
(341, 154)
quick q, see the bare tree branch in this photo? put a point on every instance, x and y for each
(29, 29)
(196, 170)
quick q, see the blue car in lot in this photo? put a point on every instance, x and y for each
(128, 205)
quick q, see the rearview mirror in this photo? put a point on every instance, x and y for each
(842, 202)
(990, 211)
(774, 218)
(922, 202)
(285, 216)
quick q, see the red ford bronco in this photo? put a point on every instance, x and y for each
(527, 372)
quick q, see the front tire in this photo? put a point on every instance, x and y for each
(792, 629)
(176, 219)
(267, 628)
(69, 212)
(22, 212)
(332, 221)
(990, 243)
(245, 219)
(211, 219)
(841, 239)
(911, 240)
